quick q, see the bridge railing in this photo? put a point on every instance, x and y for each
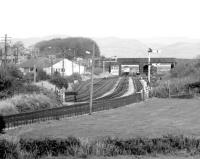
(68, 111)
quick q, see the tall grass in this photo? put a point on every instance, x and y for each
(174, 83)
(102, 146)
(26, 103)
(173, 86)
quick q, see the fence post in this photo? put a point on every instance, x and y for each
(168, 84)
(143, 94)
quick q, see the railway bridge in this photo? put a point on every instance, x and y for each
(142, 63)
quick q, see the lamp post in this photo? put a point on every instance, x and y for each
(51, 60)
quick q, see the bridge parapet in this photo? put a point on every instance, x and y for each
(142, 62)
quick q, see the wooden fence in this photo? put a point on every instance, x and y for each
(68, 111)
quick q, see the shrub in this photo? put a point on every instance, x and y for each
(29, 77)
(76, 76)
(176, 85)
(5, 83)
(7, 107)
(42, 75)
(186, 68)
(54, 147)
(59, 81)
(103, 146)
(29, 88)
(5, 87)
(8, 150)
(2, 124)
(28, 103)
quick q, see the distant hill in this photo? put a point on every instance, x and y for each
(121, 47)
(178, 47)
(182, 50)
(33, 40)
(169, 47)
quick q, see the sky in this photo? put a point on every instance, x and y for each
(100, 18)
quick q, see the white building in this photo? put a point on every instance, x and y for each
(63, 66)
(69, 67)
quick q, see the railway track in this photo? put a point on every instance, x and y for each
(108, 102)
(101, 86)
(121, 88)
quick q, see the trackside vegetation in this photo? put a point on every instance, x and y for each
(103, 146)
(185, 74)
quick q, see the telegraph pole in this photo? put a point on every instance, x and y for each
(5, 50)
(16, 54)
(91, 87)
(4, 60)
(73, 59)
(35, 74)
(63, 65)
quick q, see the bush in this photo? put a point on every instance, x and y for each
(176, 85)
(76, 76)
(8, 150)
(10, 81)
(186, 68)
(59, 81)
(5, 83)
(27, 103)
(29, 77)
(42, 75)
(29, 88)
(54, 147)
(5, 87)
(2, 124)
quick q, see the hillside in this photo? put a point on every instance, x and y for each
(121, 47)
(182, 49)
(179, 47)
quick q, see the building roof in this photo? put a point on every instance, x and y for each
(41, 62)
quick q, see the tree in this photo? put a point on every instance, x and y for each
(42, 75)
(11, 79)
(73, 46)
(17, 49)
(18, 45)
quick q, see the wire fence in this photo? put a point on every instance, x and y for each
(68, 111)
